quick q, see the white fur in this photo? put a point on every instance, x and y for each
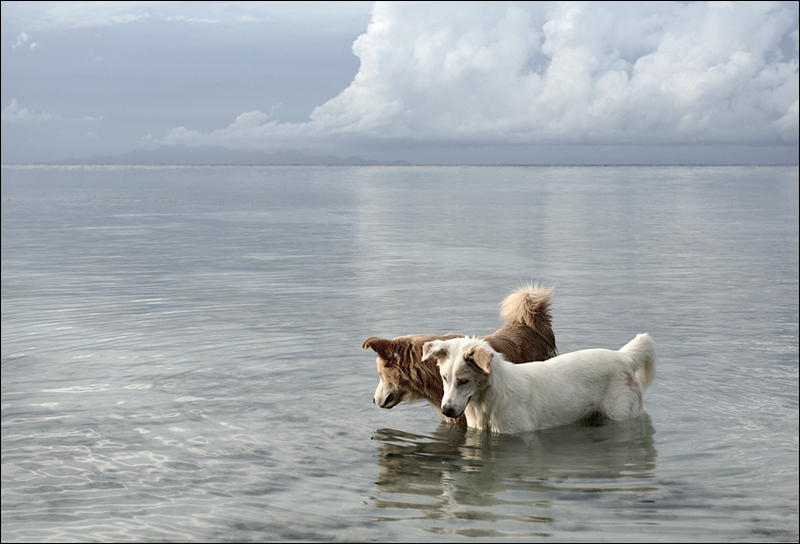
(502, 397)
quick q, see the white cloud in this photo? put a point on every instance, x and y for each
(37, 16)
(14, 114)
(250, 129)
(557, 73)
(23, 39)
(87, 14)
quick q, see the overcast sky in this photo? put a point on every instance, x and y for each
(451, 82)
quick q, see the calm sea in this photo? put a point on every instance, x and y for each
(181, 352)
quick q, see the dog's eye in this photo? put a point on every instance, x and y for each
(461, 381)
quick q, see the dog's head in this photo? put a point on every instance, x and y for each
(464, 365)
(394, 359)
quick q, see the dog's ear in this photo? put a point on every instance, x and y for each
(480, 356)
(381, 346)
(434, 349)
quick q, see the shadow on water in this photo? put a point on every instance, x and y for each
(469, 475)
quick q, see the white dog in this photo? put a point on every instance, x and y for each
(503, 397)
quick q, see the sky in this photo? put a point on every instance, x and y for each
(424, 82)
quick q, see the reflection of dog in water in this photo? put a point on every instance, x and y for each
(526, 336)
(457, 473)
(498, 396)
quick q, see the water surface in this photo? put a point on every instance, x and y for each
(181, 352)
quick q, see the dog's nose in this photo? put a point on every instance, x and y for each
(387, 402)
(449, 411)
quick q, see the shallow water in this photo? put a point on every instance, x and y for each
(181, 352)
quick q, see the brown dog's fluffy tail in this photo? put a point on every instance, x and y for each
(529, 307)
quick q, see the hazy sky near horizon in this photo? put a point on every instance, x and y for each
(427, 82)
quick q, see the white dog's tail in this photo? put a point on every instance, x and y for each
(642, 350)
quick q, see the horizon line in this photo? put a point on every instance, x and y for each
(391, 165)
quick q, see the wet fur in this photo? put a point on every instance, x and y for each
(527, 335)
(498, 396)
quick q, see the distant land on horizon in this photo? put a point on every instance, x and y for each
(218, 155)
(180, 155)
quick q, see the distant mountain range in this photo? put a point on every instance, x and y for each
(209, 155)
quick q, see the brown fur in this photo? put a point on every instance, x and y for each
(526, 336)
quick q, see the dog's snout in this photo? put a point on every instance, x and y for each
(384, 402)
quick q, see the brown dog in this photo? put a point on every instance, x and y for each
(526, 336)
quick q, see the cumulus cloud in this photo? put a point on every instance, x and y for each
(557, 73)
(13, 113)
(23, 39)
